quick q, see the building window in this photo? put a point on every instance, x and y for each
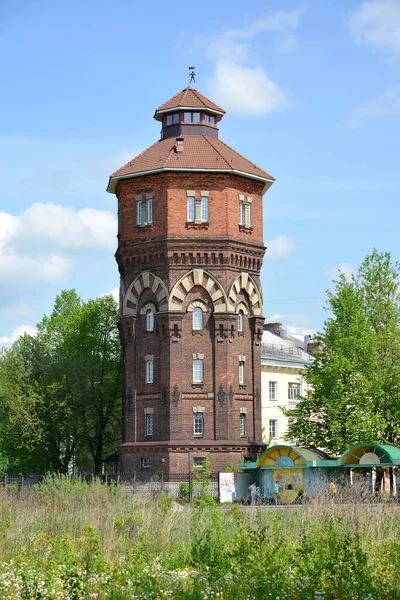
(198, 462)
(204, 209)
(243, 424)
(196, 117)
(149, 424)
(273, 385)
(145, 463)
(144, 210)
(176, 118)
(198, 423)
(245, 210)
(149, 320)
(273, 428)
(240, 320)
(197, 208)
(197, 371)
(190, 208)
(209, 119)
(241, 372)
(149, 371)
(294, 391)
(169, 119)
(197, 318)
(187, 117)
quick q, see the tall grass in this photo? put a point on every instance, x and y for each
(68, 539)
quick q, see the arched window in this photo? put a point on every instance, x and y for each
(197, 318)
(240, 320)
(149, 320)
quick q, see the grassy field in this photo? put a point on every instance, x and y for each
(73, 540)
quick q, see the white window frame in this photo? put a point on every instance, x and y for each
(240, 320)
(273, 429)
(247, 215)
(204, 209)
(149, 320)
(197, 319)
(149, 424)
(273, 390)
(241, 212)
(243, 424)
(150, 211)
(150, 371)
(191, 209)
(198, 423)
(198, 370)
(145, 463)
(294, 390)
(139, 212)
(241, 372)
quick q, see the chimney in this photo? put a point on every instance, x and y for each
(179, 145)
(273, 327)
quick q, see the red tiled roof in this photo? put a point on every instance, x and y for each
(200, 153)
(189, 98)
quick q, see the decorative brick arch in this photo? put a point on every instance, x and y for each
(204, 279)
(244, 281)
(145, 280)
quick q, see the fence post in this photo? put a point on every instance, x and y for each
(162, 481)
(190, 487)
(218, 487)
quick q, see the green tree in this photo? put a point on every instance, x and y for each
(60, 392)
(355, 377)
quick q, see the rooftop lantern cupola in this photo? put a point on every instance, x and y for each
(189, 113)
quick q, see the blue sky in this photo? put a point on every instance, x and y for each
(312, 93)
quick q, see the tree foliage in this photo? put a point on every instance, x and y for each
(354, 380)
(60, 392)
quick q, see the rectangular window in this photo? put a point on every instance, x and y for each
(187, 117)
(294, 391)
(198, 462)
(207, 119)
(196, 117)
(169, 119)
(247, 215)
(273, 428)
(204, 209)
(145, 463)
(149, 371)
(241, 371)
(149, 424)
(273, 385)
(139, 212)
(241, 212)
(197, 371)
(212, 120)
(176, 118)
(190, 208)
(150, 211)
(198, 423)
(242, 423)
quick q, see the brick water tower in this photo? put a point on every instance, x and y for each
(190, 250)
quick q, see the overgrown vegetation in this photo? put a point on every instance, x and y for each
(67, 539)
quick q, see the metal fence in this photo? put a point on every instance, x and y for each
(178, 485)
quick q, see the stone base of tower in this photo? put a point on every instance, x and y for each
(176, 458)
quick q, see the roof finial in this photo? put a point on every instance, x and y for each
(192, 75)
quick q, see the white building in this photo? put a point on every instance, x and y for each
(284, 359)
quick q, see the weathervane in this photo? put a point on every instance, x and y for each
(192, 75)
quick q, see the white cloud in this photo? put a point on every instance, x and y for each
(280, 247)
(276, 318)
(114, 292)
(239, 81)
(376, 23)
(346, 268)
(6, 341)
(39, 244)
(385, 105)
